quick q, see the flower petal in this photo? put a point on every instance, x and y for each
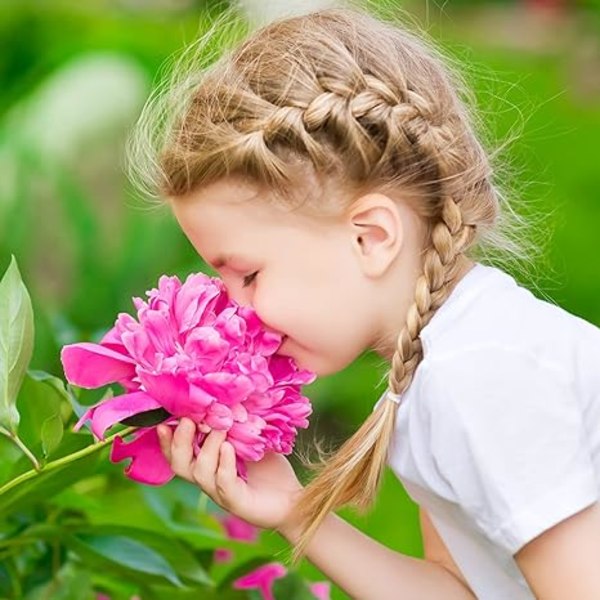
(321, 590)
(91, 365)
(261, 579)
(227, 388)
(148, 464)
(239, 529)
(108, 412)
(174, 394)
(219, 417)
(222, 555)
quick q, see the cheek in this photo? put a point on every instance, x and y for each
(324, 322)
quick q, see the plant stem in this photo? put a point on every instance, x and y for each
(63, 460)
(21, 445)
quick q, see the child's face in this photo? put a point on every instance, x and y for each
(301, 275)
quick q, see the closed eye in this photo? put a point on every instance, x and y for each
(249, 279)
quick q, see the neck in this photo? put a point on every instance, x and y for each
(389, 340)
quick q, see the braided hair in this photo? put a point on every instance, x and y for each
(338, 94)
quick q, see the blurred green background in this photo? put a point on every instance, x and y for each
(74, 75)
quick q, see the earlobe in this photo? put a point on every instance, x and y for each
(377, 232)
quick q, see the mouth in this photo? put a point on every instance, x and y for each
(284, 339)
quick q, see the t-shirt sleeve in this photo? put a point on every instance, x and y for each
(507, 437)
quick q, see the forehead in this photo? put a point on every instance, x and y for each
(231, 203)
(232, 214)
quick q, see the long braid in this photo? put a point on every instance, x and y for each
(450, 235)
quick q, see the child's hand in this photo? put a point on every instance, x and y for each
(266, 500)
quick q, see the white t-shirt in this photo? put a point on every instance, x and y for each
(498, 434)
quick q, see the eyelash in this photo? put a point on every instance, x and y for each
(249, 279)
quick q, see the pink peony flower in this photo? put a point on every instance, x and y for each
(263, 577)
(192, 352)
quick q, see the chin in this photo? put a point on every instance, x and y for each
(319, 364)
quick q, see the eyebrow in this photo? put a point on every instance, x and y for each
(222, 260)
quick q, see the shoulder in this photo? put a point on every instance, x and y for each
(484, 373)
(500, 317)
(504, 426)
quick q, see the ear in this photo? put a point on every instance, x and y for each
(377, 232)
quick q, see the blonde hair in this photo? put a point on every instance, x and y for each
(338, 95)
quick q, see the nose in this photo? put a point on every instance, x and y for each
(240, 295)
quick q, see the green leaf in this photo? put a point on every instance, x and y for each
(124, 552)
(51, 434)
(292, 587)
(193, 594)
(176, 554)
(9, 579)
(147, 418)
(40, 404)
(70, 583)
(16, 342)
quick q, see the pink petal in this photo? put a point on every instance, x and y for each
(261, 579)
(172, 391)
(222, 555)
(321, 590)
(90, 365)
(108, 412)
(138, 345)
(239, 529)
(148, 464)
(209, 348)
(191, 305)
(219, 416)
(227, 388)
(231, 327)
(284, 370)
(124, 322)
(239, 412)
(160, 332)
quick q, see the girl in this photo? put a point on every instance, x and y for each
(329, 170)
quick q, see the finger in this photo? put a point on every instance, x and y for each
(205, 466)
(165, 436)
(182, 450)
(227, 482)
